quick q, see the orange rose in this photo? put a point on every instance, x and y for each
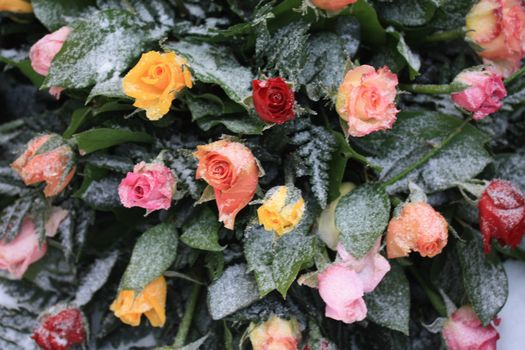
(275, 334)
(19, 6)
(365, 100)
(419, 228)
(497, 27)
(230, 168)
(151, 301)
(47, 159)
(332, 5)
(155, 81)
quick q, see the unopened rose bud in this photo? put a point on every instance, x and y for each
(275, 334)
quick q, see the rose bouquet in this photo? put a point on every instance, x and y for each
(267, 175)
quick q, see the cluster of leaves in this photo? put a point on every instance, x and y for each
(247, 274)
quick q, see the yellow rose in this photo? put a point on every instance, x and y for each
(275, 334)
(151, 301)
(282, 209)
(155, 81)
(19, 6)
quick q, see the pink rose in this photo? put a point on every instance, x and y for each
(342, 290)
(365, 100)
(17, 255)
(484, 94)
(464, 331)
(275, 334)
(332, 5)
(370, 269)
(150, 186)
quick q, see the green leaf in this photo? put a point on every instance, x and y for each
(95, 278)
(111, 162)
(362, 216)
(11, 218)
(111, 87)
(102, 194)
(202, 232)
(484, 278)
(153, 254)
(367, 17)
(96, 139)
(412, 59)
(57, 13)
(25, 67)
(408, 12)
(415, 134)
(512, 167)
(234, 290)
(78, 117)
(389, 304)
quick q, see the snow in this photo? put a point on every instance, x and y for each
(7, 300)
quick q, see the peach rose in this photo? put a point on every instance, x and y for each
(332, 5)
(18, 254)
(151, 301)
(47, 159)
(230, 168)
(155, 81)
(365, 100)
(275, 334)
(282, 209)
(419, 228)
(19, 6)
(497, 27)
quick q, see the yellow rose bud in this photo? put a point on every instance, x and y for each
(19, 6)
(151, 301)
(282, 209)
(155, 81)
(275, 334)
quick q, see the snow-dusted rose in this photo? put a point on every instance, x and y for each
(464, 331)
(484, 93)
(60, 329)
(282, 209)
(420, 228)
(365, 100)
(18, 254)
(497, 27)
(332, 5)
(150, 186)
(230, 168)
(275, 334)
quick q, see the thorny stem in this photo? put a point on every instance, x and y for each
(185, 324)
(514, 76)
(453, 34)
(432, 89)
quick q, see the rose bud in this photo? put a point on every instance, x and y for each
(25, 249)
(150, 186)
(44, 51)
(464, 331)
(282, 209)
(484, 92)
(342, 290)
(502, 214)
(47, 159)
(275, 334)
(420, 228)
(155, 81)
(273, 100)
(151, 301)
(60, 330)
(365, 100)
(230, 168)
(332, 5)
(497, 30)
(18, 6)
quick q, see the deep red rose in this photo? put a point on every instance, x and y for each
(60, 331)
(274, 100)
(502, 214)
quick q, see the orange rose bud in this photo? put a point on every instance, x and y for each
(332, 5)
(275, 334)
(230, 168)
(155, 81)
(18, 6)
(151, 301)
(47, 159)
(419, 228)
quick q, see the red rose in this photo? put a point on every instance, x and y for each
(502, 214)
(273, 100)
(61, 330)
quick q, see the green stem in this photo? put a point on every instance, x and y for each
(184, 327)
(434, 297)
(427, 156)
(432, 89)
(514, 76)
(458, 33)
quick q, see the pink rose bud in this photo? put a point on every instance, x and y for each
(332, 5)
(342, 290)
(366, 100)
(150, 186)
(464, 331)
(484, 92)
(275, 334)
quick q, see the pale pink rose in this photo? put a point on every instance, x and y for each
(371, 268)
(484, 94)
(150, 186)
(464, 331)
(332, 5)
(497, 28)
(342, 290)
(366, 99)
(17, 255)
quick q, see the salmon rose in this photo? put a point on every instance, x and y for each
(275, 334)
(155, 81)
(230, 168)
(282, 209)
(365, 100)
(333, 5)
(18, 6)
